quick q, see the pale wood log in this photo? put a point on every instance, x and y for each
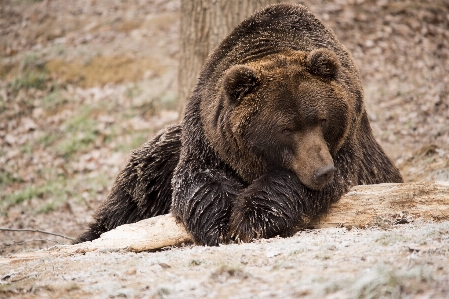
(148, 234)
(383, 204)
(362, 206)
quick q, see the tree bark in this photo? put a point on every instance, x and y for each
(204, 23)
(366, 206)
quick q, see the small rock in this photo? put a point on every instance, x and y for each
(131, 271)
(164, 265)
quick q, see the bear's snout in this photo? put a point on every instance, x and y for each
(313, 162)
(324, 175)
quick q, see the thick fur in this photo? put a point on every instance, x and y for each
(143, 189)
(278, 101)
(260, 196)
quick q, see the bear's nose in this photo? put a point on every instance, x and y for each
(324, 174)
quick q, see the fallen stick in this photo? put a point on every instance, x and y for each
(362, 206)
(34, 231)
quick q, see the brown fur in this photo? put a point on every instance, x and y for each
(275, 130)
(296, 110)
(239, 176)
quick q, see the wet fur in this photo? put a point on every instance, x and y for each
(219, 189)
(143, 189)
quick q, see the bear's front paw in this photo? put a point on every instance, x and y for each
(267, 208)
(254, 218)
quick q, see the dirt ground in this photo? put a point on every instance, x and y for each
(83, 84)
(409, 261)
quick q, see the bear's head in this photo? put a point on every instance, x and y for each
(286, 110)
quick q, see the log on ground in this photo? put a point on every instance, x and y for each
(363, 206)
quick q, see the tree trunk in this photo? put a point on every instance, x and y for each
(204, 23)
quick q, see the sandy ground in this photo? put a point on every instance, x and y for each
(409, 261)
(83, 84)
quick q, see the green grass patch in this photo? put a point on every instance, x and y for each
(54, 192)
(93, 184)
(75, 133)
(48, 139)
(32, 74)
(7, 178)
(111, 135)
(28, 80)
(81, 121)
(133, 91)
(78, 133)
(2, 105)
(26, 149)
(48, 207)
(76, 142)
(51, 189)
(53, 100)
(137, 140)
(168, 101)
(22, 195)
(30, 60)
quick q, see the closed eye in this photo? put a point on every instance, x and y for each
(323, 122)
(287, 131)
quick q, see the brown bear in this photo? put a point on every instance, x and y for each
(275, 131)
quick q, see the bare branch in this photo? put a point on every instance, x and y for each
(17, 243)
(35, 231)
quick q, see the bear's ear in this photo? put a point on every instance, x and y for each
(240, 80)
(323, 63)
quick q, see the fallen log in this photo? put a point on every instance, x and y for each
(384, 204)
(363, 206)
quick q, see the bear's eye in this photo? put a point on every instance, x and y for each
(287, 132)
(323, 122)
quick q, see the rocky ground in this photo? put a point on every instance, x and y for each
(83, 84)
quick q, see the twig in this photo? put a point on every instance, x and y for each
(34, 231)
(16, 243)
